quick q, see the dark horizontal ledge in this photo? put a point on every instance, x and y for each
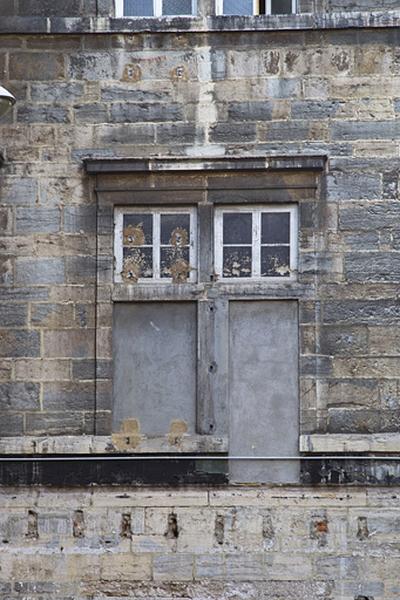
(306, 21)
(276, 163)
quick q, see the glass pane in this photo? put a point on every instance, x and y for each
(281, 7)
(237, 261)
(177, 7)
(174, 264)
(275, 261)
(275, 228)
(138, 230)
(137, 264)
(237, 228)
(138, 8)
(238, 7)
(175, 229)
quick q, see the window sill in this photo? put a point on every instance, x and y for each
(118, 443)
(185, 24)
(333, 443)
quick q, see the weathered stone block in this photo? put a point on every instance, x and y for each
(68, 396)
(173, 567)
(354, 186)
(19, 342)
(37, 220)
(19, 396)
(132, 113)
(91, 66)
(52, 315)
(233, 132)
(80, 269)
(343, 340)
(13, 315)
(11, 424)
(67, 343)
(178, 133)
(39, 271)
(42, 114)
(91, 113)
(80, 219)
(54, 423)
(50, 8)
(125, 567)
(369, 216)
(56, 92)
(315, 109)
(90, 369)
(42, 370)
(250, 111)
(18, 191)
(372, 266)
(129, 133)
(35, 66)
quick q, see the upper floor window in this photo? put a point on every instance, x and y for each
(155, 245)
(256, 242)
(255, 7)
(154, 8)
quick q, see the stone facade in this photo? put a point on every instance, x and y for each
(90, 87)
(193, 543)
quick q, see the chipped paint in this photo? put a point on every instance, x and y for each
(135, 266)
(129, 436)
(180, 271)
(134, 235)
(179, 237)
(177, 430)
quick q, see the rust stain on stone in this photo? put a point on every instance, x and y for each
(129, 436)
(179, 73)
(131, 72)
(177, 430)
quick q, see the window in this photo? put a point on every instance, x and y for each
(155, 245)
(256, 242)
(255, 7)
(211, 358)
(154, 8)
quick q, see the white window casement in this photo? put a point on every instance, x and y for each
(155, 245)
(155, 8)
(256, 242)
(256, 7)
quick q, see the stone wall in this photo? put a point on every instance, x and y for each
(193, 543)
(104, 8)
(331, 92)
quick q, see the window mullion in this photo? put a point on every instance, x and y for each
(119, 8)
(256, 246)
(268, 7)
(256, 7)
(156, 245)
(157, 4)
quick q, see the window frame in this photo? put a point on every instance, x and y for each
(219, 8)
(155, 211)
(256, 209)
(157, 9)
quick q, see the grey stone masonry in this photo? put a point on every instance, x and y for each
(325, 84)
(258, 543)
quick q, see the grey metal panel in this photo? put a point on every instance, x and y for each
(264, 411)
(154, 346)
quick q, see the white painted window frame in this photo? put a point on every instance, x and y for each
(219, 7)
(157, 9)
(119, 213)
(256, 211)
